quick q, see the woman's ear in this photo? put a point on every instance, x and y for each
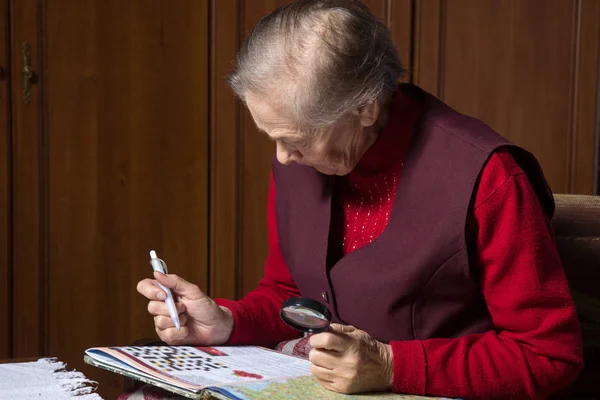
(368, 114)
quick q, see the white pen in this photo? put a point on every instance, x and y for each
(160, 266)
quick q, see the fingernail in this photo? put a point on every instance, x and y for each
(161, 295)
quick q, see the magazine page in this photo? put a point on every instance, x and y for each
(200, 367)
(100, 355)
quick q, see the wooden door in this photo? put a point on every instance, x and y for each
(111, 161)
(5, 286)
(241, 157)
(528, 68)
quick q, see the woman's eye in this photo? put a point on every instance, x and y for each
(305, 142)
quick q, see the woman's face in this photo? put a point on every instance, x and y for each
(332, 151)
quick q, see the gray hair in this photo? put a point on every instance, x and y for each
(321, 59)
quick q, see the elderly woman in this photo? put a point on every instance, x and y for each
(424, 232)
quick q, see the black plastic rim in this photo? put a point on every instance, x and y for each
(307, 303)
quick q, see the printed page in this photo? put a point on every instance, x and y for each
(104, 357)
(200, 367)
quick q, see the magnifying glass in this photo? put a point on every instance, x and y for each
(305, 315)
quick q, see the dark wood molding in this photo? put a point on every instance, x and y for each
(427, 45)
(5, 187)
(400, 21)
(597, 139)
(43, 174)
(239, 168)
(29, 295)
(585, 97)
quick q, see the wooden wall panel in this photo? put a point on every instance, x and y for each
(224, 152)
(5, 192)
(518, 66)
(123, 149)
(29, 216)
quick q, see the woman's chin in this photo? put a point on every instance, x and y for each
(326, 170)
(339, 171)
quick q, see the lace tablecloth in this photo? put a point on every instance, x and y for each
(45, 379)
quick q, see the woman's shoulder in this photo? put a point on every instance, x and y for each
(500, 169)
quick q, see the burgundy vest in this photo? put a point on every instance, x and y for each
(414, 281)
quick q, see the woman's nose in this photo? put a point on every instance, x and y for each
(286, 155)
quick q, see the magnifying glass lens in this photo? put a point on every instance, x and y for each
(305, 315)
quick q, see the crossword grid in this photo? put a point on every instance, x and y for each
(174, 359)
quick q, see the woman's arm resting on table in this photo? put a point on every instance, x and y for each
(537, 347)
(256, 316)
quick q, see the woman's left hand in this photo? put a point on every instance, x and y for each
(347, 360)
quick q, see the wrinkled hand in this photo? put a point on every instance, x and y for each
(348, 360)
(202, 321)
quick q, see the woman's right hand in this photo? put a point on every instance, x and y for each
(202, 321)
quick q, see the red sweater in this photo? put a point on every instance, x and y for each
(536, 348)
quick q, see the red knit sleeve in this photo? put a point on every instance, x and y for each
(536, 349)
(256, 316)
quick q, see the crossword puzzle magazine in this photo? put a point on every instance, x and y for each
(224, 372)
(193, 371)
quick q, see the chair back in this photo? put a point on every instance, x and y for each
(576, 226)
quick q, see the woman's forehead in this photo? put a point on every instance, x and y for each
(268, 114)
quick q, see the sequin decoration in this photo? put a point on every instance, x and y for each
(367, 209)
